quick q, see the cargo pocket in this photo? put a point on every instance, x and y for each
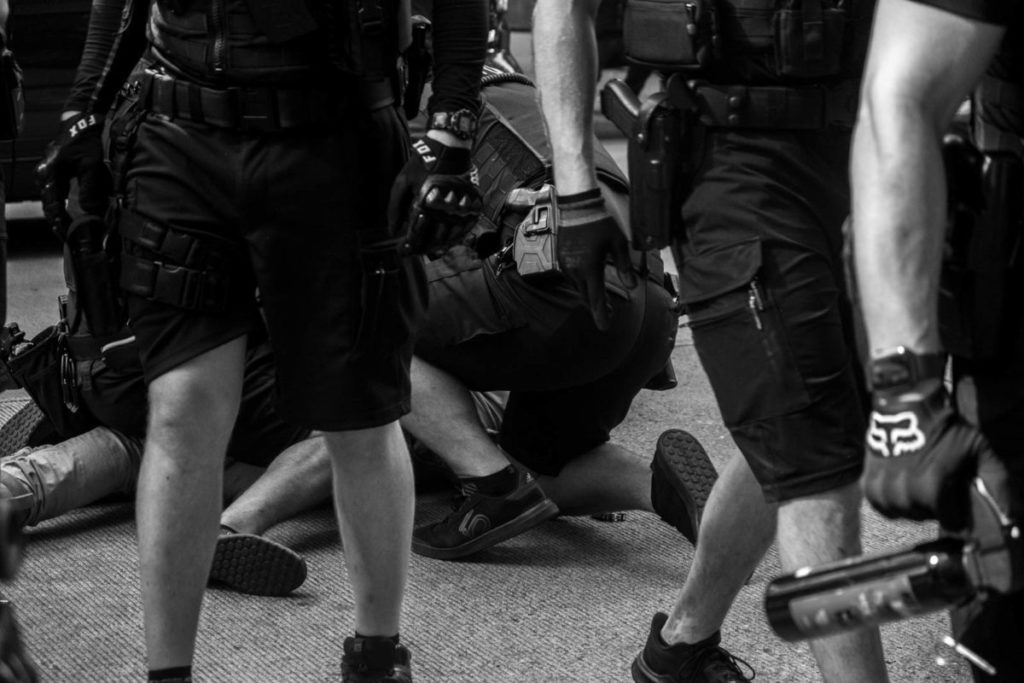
(392, 298)
(741, 339)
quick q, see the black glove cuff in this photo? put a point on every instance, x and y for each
(440, 158)
(579, 197)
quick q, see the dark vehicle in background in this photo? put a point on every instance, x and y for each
(46, 37)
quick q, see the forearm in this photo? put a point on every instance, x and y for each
(565, 58)
(114, 42)
(460, 47)
(899, 222)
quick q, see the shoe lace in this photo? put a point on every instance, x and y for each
(715, 663)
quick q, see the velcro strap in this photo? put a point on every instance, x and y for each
(242, 108)
(177, 247)
(174, 285)
(777, 107)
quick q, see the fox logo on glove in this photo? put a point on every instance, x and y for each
(894, 435)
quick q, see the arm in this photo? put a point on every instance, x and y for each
(922, 455)
(565, 58)
(113, 44)
(460, 46)
(921, 65)
(435, 197)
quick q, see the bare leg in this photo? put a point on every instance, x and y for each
(821, 529)
(297, 480)
(445, 419)
(374, 499)
(737, 529)
(192, 410)
(607, 479)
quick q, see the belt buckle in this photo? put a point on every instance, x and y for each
(257, 109)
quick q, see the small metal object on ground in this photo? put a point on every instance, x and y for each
(610, 517)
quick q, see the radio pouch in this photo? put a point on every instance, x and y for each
(533, 244)
(670, 35)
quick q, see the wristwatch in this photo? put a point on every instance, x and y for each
(462, 123)
(901, 367)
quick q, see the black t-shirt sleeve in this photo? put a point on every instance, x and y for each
(460, 46)
(989, 11)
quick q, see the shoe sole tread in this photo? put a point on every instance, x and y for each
(686, 467)
(256, 565)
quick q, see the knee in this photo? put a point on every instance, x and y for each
(196, 407)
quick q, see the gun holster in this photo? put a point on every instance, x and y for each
(97, 293)
(661, 136)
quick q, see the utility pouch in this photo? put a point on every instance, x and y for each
(12, 98)
(393, 296)
(535, 238)
(48, 374)
(670, 35)
(808, 38)
(983, 245)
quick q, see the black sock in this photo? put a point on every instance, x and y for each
(503, 481)
(183, 673)
(394, 638)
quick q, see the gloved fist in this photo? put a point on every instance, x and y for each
(77, 152)
(587, 235)
(922, 456)
(435, 198)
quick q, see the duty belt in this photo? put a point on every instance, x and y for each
(257, 108)
(777, 107)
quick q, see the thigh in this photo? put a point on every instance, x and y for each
(180, 183)
(340, 312)
(778, 352)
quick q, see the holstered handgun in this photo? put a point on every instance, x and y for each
(659, 166)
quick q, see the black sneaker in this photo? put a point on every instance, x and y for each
(681, 479)
(703, 662)
(256, 565)
(375, 660)
(480, 521)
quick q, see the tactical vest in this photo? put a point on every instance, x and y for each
(750, 42)
(286, 42)
(512, 151)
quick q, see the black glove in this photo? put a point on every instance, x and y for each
(922, 457)
(435, 199)
(77, 152)
(587, 234)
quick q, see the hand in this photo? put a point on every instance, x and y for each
(587, 234)
(435, 198)
(77, 152)
(922, 457)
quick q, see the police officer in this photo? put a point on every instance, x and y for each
(925, 58)
(259, 145)
(760, 273)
